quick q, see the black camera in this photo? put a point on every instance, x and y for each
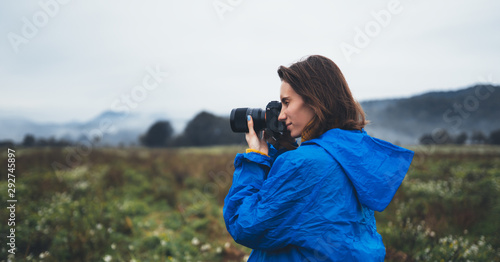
(262, 119)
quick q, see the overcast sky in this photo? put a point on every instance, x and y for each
(63, 60)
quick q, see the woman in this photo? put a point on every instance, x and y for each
(317, 202)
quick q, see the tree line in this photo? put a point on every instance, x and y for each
(29, 140)
(443, 137)
(205, 129)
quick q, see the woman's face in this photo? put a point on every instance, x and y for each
(294, 112)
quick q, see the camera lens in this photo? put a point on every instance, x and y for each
(238, 119)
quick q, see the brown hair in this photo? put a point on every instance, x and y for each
(322, 86)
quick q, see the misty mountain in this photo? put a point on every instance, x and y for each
(113, 128)
(402, 120)
(405, 120)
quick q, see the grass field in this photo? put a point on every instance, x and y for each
(139, 204)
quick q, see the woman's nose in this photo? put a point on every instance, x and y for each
(282, 116)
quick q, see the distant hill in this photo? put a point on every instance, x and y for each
(114, 128)
(405, 120)
(401, 121)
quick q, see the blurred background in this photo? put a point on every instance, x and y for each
(67, 65)
(109, 105)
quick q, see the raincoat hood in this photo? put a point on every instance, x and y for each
(375, 167)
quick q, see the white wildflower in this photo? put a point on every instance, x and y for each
(466, 253)
(205, 247)
(107, 258)
(482, 241)
(82, 185)
(195, 241)
(44, 254)
(474, 249)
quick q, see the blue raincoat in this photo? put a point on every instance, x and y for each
(315, 203)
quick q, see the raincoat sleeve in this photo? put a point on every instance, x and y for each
(259, 208)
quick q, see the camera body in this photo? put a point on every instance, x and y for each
(262, 119)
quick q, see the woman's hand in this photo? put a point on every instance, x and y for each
(253, 140)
